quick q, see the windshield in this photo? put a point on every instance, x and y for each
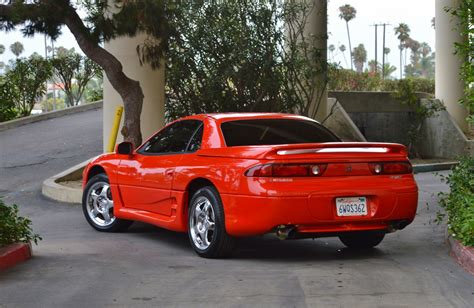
(274, 131)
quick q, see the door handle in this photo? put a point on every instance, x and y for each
(169, 172)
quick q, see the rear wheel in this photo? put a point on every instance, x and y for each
(362, 240)
(98, 206)
(206, 228)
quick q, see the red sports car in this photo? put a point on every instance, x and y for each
(222, 176)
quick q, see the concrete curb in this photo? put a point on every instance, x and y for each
(13, 254)
(463, 255)
(434, 167)
(49, 115)
(52, 189)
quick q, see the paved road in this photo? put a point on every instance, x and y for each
(75, 266)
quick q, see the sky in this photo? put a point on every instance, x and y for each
(416, 13)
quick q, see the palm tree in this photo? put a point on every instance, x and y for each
(17, 49)
(388, 70)
(348, 13)
(331, 49)
(425, 49)
(403, 34)
(342, 48)
(360, 56)
(414, 46)
(373, 66)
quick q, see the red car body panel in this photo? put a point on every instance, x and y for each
(155, 188)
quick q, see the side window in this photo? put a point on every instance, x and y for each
(195, 142)
(173, 139)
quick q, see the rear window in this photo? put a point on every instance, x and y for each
(274, 131)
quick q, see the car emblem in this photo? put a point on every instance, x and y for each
(348, 168)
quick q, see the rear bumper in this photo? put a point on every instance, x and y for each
(315, 213)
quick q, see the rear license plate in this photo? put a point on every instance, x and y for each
(351, 206)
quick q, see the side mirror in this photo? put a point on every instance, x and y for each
(124, 148)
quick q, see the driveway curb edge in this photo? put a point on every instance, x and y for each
(13, 254)
(464, 255)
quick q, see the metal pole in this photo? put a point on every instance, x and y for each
(115, 128)
(383, 53)
(376, 63)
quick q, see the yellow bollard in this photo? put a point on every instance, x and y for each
(115, 128)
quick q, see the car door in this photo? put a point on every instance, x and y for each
(145, 180)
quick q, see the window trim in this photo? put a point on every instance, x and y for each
(141, 151)
(192, 136)
(291, 119)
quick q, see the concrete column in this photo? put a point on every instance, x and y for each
(448, 86)
(151, 81)
(317, 29)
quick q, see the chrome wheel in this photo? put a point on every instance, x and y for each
(100, 206)
(202, 223)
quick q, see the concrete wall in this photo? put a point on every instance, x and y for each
(441, 137)
(381, 118)
(378, 116)
(340, 123)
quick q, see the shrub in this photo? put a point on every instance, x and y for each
(7, 105)
(245, 56)
(459, 203)
(94, 95)
(53, 104)
(348, 80)
(14, 228)
(27, 81)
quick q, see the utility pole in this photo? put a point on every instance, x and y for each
(376, 63)
(383, 53)
(383, 48)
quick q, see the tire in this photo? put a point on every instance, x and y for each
(97, 206)
(206, 225)
(362, 240)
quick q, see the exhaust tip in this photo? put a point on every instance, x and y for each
(284, 232)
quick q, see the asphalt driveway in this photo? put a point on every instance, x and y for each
(75, 266)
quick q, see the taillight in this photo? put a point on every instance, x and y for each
(390, 168)
(286, 170)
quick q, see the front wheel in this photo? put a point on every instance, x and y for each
(362, 240)
(206, 228)
(98, 206)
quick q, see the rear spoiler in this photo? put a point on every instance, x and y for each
(341, 147)
(329, 150)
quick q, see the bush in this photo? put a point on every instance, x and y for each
(7, 105)
(14, 228)
(94, 95)
(459, 203)
(418, 84)
(26, 81)
(53, 104)
(348, 80)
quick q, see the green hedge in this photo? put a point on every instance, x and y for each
(459, 203)
(14, 228)
(348, 80)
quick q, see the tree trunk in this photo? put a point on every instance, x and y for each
(129, 90)
(350, 46)
(401, 72)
